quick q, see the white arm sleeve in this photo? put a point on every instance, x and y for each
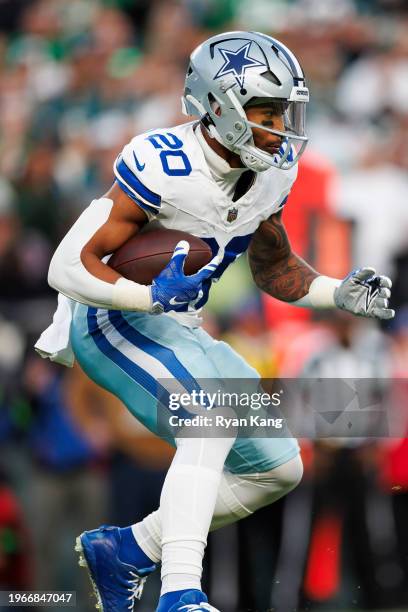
(68, 275)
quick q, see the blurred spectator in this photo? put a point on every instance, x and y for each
(38, 201)
(374, 196)
(15, 548)
(353, 533)
(67, 484)
(10, 11)
(138, 461)
(134, 451)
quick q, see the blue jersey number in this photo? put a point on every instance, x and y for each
(173, 149)
(236, 246)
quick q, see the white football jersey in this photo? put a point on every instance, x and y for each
(165, 172)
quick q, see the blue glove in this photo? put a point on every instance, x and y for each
(172, 289)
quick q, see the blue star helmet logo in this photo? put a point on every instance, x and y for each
(237, 63)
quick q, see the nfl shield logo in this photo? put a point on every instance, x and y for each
(232, 214)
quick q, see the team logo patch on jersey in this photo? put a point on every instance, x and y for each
(237, 63)
(232, 214)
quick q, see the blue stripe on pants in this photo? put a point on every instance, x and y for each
(137, 373)
(134, 371)
(163, 354)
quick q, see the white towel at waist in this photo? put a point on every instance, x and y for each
(54, 342)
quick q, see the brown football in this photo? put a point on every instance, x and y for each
(145, 255)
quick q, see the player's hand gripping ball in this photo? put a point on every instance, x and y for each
(173, 262)
(172, 289)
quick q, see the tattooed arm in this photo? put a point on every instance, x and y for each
(285, 276)
(275, 268)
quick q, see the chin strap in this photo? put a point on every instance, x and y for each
(253, 163)
(210, 127)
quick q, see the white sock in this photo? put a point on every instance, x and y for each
(238, 497)
(147, 533)
(186, 508)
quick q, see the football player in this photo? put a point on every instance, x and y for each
(225, 177)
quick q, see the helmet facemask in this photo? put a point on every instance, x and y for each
(294, 139)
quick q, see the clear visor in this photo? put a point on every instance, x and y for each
(294, 139)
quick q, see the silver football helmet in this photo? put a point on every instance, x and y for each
(237, 69)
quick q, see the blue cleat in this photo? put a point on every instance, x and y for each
(190, 601)
(116, 584)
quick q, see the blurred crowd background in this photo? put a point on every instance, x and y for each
(78, 79)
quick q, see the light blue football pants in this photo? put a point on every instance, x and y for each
(130, 353)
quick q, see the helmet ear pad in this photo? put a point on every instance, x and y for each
(229, 119)
(250, 159)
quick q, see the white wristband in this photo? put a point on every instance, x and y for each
(128, 295)
(321, 293)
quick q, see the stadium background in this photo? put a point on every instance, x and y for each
(78, 79)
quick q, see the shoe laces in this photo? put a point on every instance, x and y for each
(135, 588)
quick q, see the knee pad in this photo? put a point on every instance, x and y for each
(288, 475)
(264, 488)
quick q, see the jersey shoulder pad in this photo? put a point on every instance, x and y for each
(138, 172)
